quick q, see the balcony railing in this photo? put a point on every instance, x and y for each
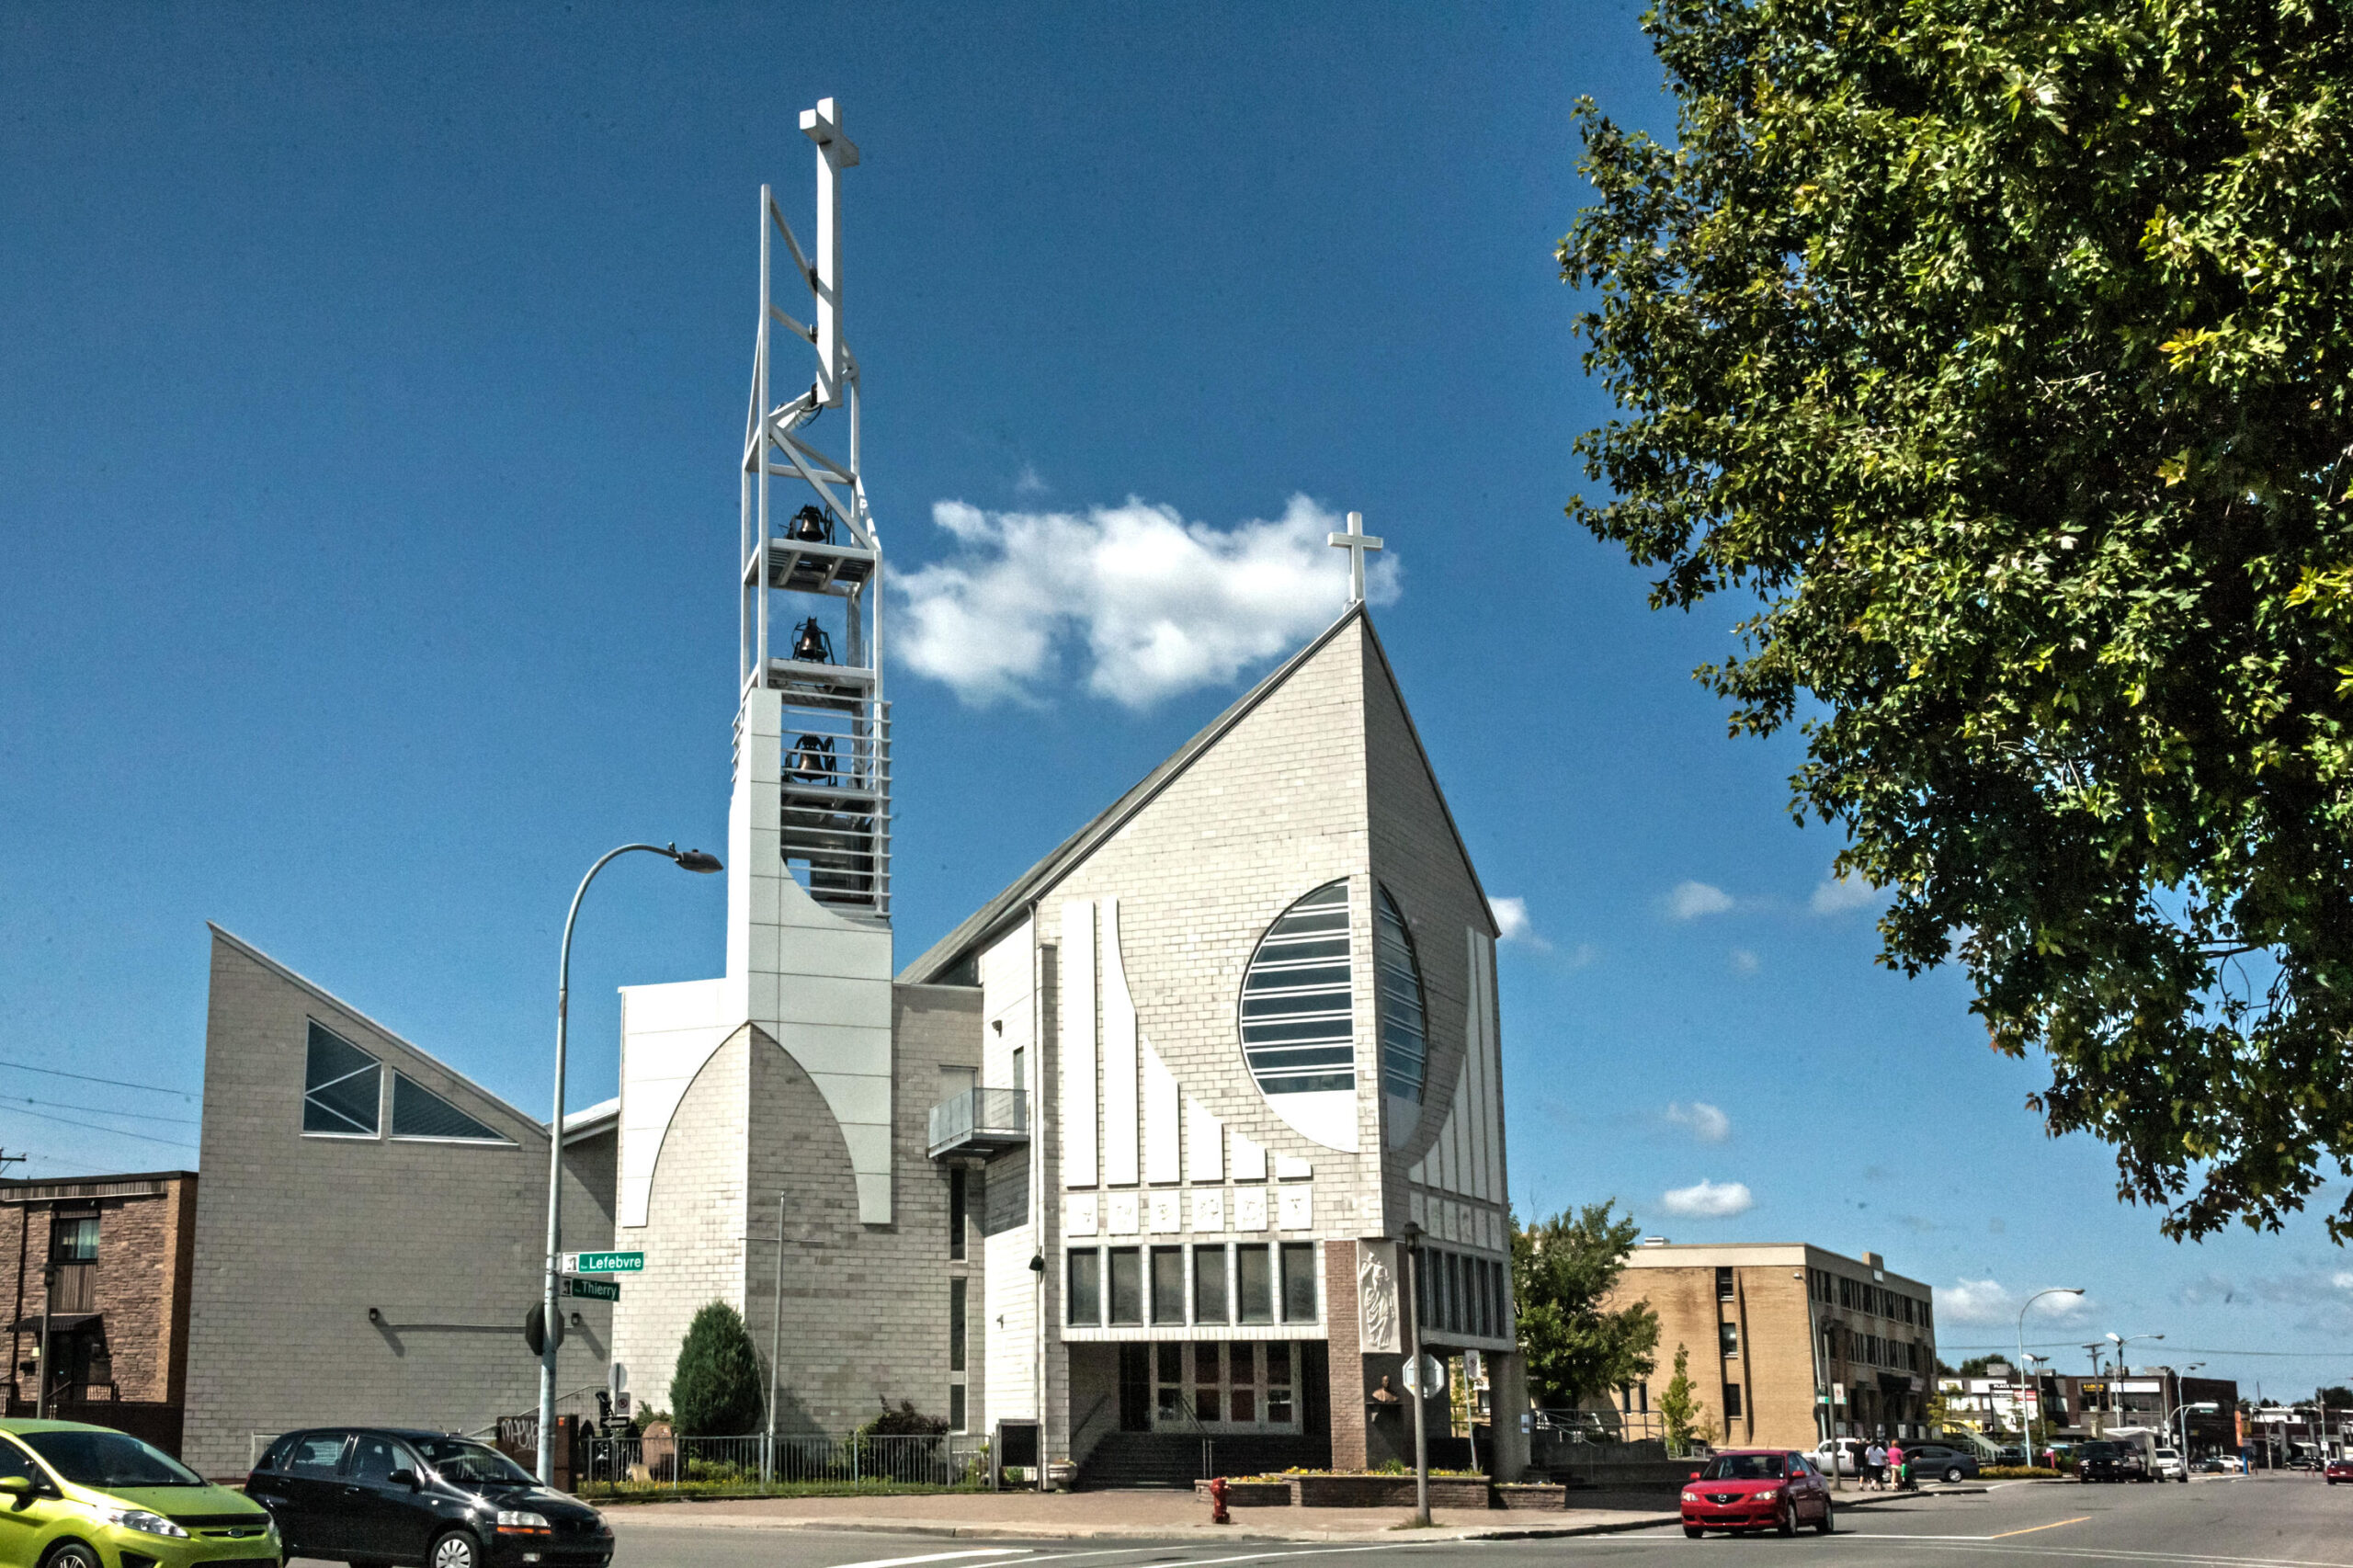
(980, 1121)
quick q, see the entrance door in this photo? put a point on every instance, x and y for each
(1135, 1388)
(1244, 1385)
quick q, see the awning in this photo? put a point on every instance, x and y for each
(59, 1322)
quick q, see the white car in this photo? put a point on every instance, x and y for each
(1849, 1452)
(2166, 1466)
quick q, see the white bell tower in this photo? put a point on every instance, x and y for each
(809, 955)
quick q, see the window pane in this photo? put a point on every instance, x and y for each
(1298, 1026)
(418, 1112)
(1208, 1289)
(340, 1086)
(1241, 1361)
(1168, 1286)
(1728, 1339)
(1127, 1285)
(74, 1239)
(1171, 1357)
(1278, 1405)
(1404, 1049)
(1298, 1282)
(956, 1407)
(1277, 1362)
(956, 1325)
(1731, 1401)
(1254, 1273)
(1086, 1287)
(956, 1198)
(1454, 1318)
(1207, 1403)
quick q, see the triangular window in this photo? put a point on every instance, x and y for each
(418, 1112)
(342, 1086)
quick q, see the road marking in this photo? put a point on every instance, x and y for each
(935, 1557)
(2032, 1529)
(2113, 1554)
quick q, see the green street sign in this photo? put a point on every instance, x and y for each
(592, 1289)
(604, 1263)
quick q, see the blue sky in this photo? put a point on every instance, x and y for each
(371, 382)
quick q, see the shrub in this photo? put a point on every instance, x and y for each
(716, 1389)
(904, 1422)
(2016, 1472)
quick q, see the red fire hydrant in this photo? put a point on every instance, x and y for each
(1218, 1516)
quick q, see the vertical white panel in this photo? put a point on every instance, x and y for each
(1455, 1119)
(1475, 1056)
(1161, 1160)
(1492, 1050)
(1249, 1159)
(1119, 1059)
(1204, 1143)
(1079, 1043)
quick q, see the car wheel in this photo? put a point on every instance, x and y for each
(455, 1549)
(1693, 1532)
(1822, 1525)
(1952, 1473)
(72, 1555)
(1787, 1523)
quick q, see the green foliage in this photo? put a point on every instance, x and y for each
(904, 1422)
(2336, 1397)
(1562, 1268)
(1679, 1408)
(716, 1389)
(1995, 355)
(1975, 1366)
(2017, 1472)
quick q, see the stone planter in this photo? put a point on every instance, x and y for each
(1533, 1497)
(1386, 1491)
(1058, 1475)
(1249, 1494)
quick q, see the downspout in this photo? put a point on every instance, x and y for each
(1037, 1092)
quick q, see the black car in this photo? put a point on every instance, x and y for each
(380, 1495)
(2111, 1461)
(1939, 1462)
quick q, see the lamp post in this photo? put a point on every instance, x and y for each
(551, 1321)
(1414, 1366)
(2026, 1422)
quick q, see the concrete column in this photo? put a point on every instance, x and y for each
(1508, 1403)
(1343, 1328)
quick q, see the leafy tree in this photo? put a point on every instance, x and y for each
(2336, 1396)
(1679, 1408)
(1562, 1270)
(716, 1389)
(1994, 356)
(1975, 1367)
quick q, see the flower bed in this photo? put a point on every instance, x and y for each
(1386, 1491)
(1250, 1494)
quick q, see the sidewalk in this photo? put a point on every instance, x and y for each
(1159, 1516)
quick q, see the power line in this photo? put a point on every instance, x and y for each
(86, 1078)
(100, 1110)
(94, 1127)
(2170, 1349)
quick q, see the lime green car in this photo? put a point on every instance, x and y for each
(78, 1497)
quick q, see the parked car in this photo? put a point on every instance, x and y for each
(1847, 1453)
(2168, 1466)
(2302, 1461)
(2111, 1461)
(373, 1496)
(82, 1496)
(1755, 1489)
(1939, 1462)
(2338, 1469)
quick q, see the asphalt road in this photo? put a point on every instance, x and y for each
(2257, 1522)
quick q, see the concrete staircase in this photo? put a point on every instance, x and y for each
(1127, 1460)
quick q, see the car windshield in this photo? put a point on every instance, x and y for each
(1743, 1467)
(472, 1465)
(108, 1460)
(2096, 1452)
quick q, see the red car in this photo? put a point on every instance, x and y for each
(1755, 1489)
(2339, 1469)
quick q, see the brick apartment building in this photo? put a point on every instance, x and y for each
(110, 1259)
(1767, 1325)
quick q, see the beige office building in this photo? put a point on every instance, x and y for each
(1770, 1325)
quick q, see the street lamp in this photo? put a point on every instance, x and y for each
(1415, 1382)
(2025, 1421)
(551, 1320)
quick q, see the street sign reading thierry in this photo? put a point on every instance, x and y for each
(592, 1289)
(604, 1263)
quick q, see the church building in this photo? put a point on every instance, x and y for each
(1132, 1157)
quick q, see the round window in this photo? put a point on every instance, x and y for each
(1298, 1026)
(1405, 1027)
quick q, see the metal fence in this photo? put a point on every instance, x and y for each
(754, 1464)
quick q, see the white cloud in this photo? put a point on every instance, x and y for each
(1844, 893)
(1707, 1124)
(1707, 1200)
(1512, 922)
(1986, 1301)
(1690, 901)
(1029, 482)
(1744, 961)
(1156, 605)
(1583, 954)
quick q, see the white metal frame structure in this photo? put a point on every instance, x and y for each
(835, 807)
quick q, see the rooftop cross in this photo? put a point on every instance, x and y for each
(1356, 541)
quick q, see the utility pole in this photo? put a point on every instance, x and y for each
(1413, 1367)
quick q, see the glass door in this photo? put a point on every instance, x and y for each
(1240, 1385)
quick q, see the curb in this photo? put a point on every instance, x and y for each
(1164, 1532)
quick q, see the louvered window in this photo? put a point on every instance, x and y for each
(418, 1112)
(1298, 1023)
(342, 1086)
(1404, 1030)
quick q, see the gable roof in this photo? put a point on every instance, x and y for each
(324, 994)
(986, 924)
(1413, 734)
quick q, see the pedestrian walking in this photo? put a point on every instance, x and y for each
(1896, 1463)
(1875, 1466)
